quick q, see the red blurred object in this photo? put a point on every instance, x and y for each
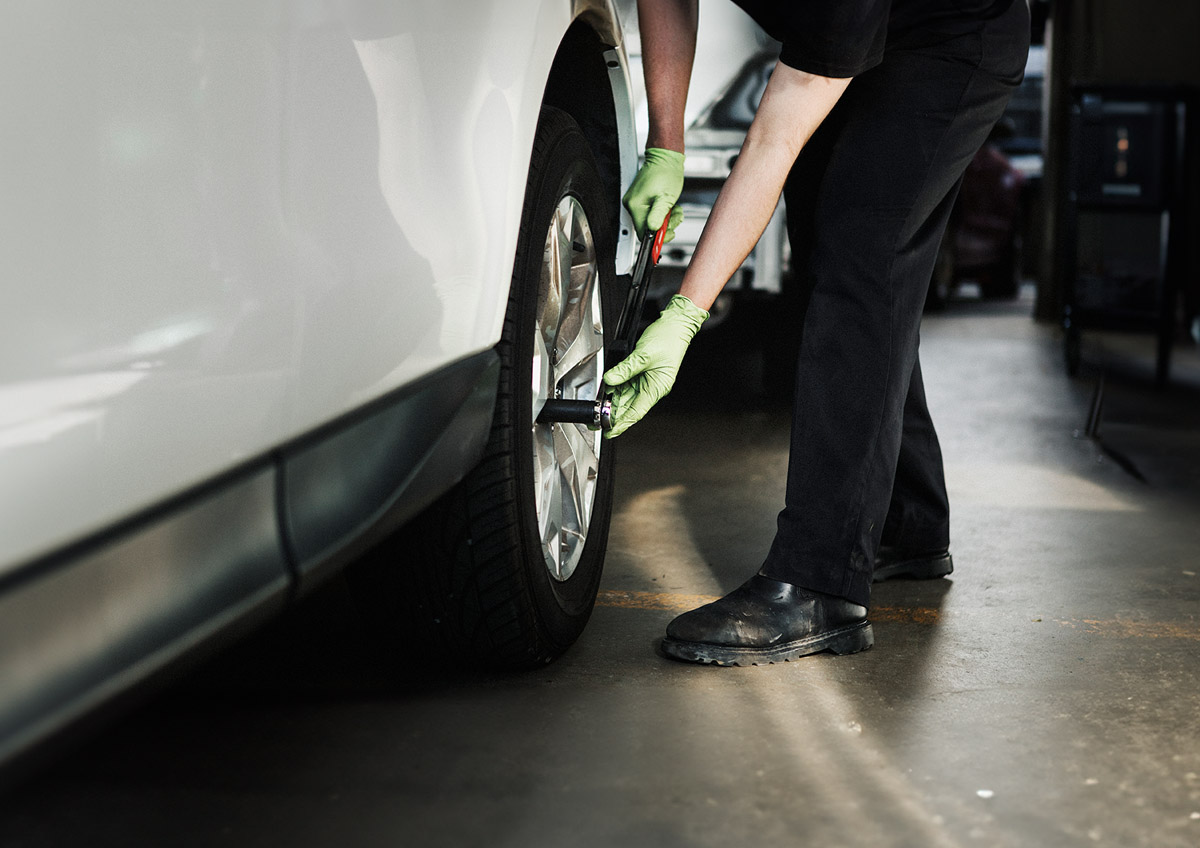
(659, 236)
(983, 238)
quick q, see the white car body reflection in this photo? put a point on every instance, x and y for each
(225, 227)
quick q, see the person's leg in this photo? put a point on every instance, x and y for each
(916, 533)
(892, 154)
(905, 135)
(918, 517)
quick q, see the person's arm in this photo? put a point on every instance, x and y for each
(668, 33)
(793, 106)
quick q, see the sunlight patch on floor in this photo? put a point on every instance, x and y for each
(654, 532)
(1030, 486)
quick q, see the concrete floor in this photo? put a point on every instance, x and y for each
(1047, 695)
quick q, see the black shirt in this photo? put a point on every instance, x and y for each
(844, 38)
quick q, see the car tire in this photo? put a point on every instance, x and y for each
(475, 578)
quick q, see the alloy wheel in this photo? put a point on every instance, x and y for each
(568, 362)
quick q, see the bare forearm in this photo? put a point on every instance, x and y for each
(668, 33)
(793, 106)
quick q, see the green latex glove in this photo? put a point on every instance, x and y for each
(645, 377)
(655, 190)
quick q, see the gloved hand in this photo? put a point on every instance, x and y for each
(654, 191)
(645, 377)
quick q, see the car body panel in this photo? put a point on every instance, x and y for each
(359, 479)
(227, 224)
(79, 629)
(256, 259)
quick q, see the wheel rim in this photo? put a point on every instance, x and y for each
(568, 362)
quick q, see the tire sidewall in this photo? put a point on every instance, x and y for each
(566, 168)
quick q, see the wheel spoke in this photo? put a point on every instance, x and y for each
(574, 342)
(550, 290)
(548, 478)
(588, 339)
(578, 451)
(543, 375)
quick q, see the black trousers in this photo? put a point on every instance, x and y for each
(868, 201)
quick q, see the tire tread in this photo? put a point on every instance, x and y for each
(460, 594)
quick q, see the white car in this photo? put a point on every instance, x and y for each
(285, 285)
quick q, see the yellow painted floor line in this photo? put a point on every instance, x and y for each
(674, 602)
(1126, 628)
(916, 615)
(653, 600)
(1117, 627)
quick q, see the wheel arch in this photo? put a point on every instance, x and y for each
(589, 80)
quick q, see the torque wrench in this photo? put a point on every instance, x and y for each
(597, 414)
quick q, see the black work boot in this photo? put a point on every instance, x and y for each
(894, 562)
(766, 621)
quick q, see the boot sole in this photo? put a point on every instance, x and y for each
(918, 568)
(846, 640)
